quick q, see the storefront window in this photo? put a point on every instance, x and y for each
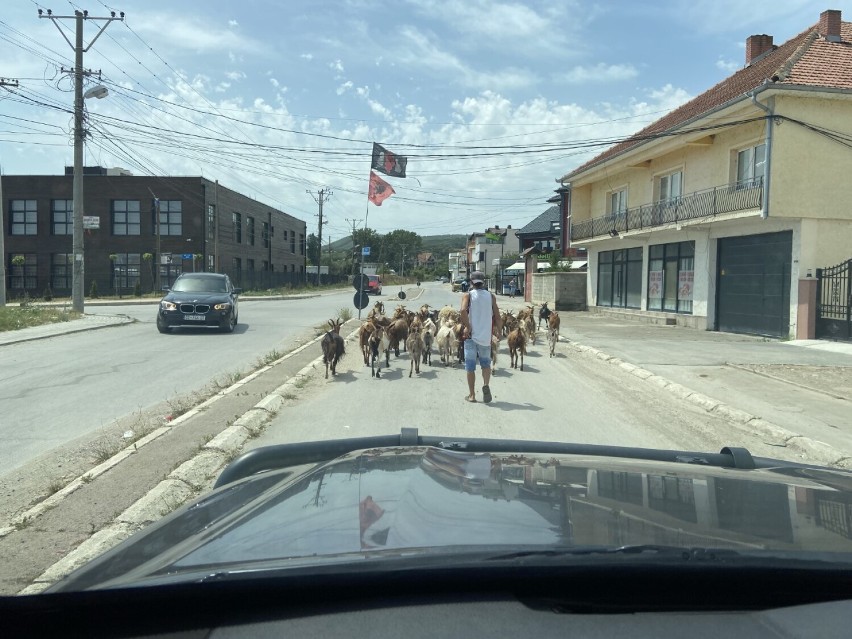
(671, 277)
(620, 278)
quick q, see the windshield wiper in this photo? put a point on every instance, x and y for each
(687, 554)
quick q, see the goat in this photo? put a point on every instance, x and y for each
(553, 331)
(445, 340)
(429, 332)
(397, 332)
(333, 347)
(517, 347)
(378, 309)
(379, 344)
(414, 346)
(544, 314)
(495, 344)
(510, 322)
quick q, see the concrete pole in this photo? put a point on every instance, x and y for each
(78, 270)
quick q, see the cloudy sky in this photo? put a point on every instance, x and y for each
(490, 101)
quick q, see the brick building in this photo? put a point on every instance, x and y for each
(203, 226)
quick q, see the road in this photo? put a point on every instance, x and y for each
(573, 397)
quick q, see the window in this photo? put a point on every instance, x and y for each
(250, 230)
(61, 268)
(301, 243)
(264, 232)
(23, 271)
(671, 274)
(751, 166)
(620, 278)
(618, 202)
(671, 187)
(62, 217)
(171, 217)
(24, 217)
(292, 242)
(126, 217)
(237, 219)
(250, 265)
(211, 221)
(125, 270)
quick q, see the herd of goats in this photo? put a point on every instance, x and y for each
(418, 332)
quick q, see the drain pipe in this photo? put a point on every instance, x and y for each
(764, 209)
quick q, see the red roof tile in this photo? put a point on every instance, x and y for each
(804, 60)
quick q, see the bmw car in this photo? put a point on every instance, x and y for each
(206, 300)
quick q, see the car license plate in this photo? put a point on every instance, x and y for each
(193, 318)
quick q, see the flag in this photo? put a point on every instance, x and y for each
(379, 190)
(388, 163)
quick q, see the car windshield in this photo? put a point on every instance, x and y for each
(200, 284)
(598, 255)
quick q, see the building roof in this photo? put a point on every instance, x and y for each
(542, 224)
(806, 60)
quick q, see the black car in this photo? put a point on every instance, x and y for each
(200, 300)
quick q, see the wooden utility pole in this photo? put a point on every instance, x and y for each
(321, 197)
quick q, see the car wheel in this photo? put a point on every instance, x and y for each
(230, 325)
(162, 326)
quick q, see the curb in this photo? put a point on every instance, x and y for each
(807, 446)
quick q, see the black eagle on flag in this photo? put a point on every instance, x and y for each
(388, 163)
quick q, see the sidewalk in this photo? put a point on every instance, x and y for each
(802, 386)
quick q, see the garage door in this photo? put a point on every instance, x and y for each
(753, 292)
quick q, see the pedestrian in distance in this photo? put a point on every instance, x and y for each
(480, 318)
(513, 287)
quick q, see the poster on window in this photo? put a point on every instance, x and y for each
(655, 285)
(685, 284)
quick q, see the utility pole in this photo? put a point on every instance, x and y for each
(78, 271)
(4, 82)
(321, 197)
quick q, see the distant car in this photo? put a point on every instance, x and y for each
(206, 300)
(443, 279)
(457, 284)
(374, 285)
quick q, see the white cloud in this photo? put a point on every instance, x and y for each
(191, 32)
(337, 66)
(728, 66)
(274, 82)
(235, 75)
(719, 16)
(306, 56)
(343, 88)
(233, 23)
(601, 72)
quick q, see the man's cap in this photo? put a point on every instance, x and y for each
(477, 277)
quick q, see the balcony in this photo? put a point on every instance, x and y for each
(701, 205)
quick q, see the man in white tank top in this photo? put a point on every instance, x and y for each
(481, 319)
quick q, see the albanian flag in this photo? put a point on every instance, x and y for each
(388, 163)
(379, 190)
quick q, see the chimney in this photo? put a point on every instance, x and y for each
(756, 46)
(829, 25)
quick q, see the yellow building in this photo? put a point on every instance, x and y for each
(712, 215)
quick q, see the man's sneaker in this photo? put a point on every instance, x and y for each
(486, 394)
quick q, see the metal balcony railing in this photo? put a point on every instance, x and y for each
(698, 205)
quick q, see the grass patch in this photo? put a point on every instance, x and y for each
(13, 318)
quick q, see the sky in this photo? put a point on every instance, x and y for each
(491, 102)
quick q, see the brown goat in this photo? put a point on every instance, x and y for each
(414, 345)
(333, 347)
(553, 331)
(517, 347)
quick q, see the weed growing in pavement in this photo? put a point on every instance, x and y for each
(23, 523)
(105, 449)
(344, 314)
(300, 382)
(87, 479)
(269, 358)
(55, 486)
(290, 396)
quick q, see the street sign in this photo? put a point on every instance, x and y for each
(91, 222)
(401, 295)
(365, 250)
(187, 256)
(361, 300)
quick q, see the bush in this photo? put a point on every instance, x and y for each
(137, 289)
(48, 294)
(93, 291)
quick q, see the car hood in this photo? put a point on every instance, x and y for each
(389, 501)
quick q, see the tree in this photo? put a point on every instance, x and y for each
(313, 249)
(398, 243)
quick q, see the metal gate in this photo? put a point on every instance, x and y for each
(834, 301)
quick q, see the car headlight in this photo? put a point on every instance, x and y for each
(168, 306)
(224, 306)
